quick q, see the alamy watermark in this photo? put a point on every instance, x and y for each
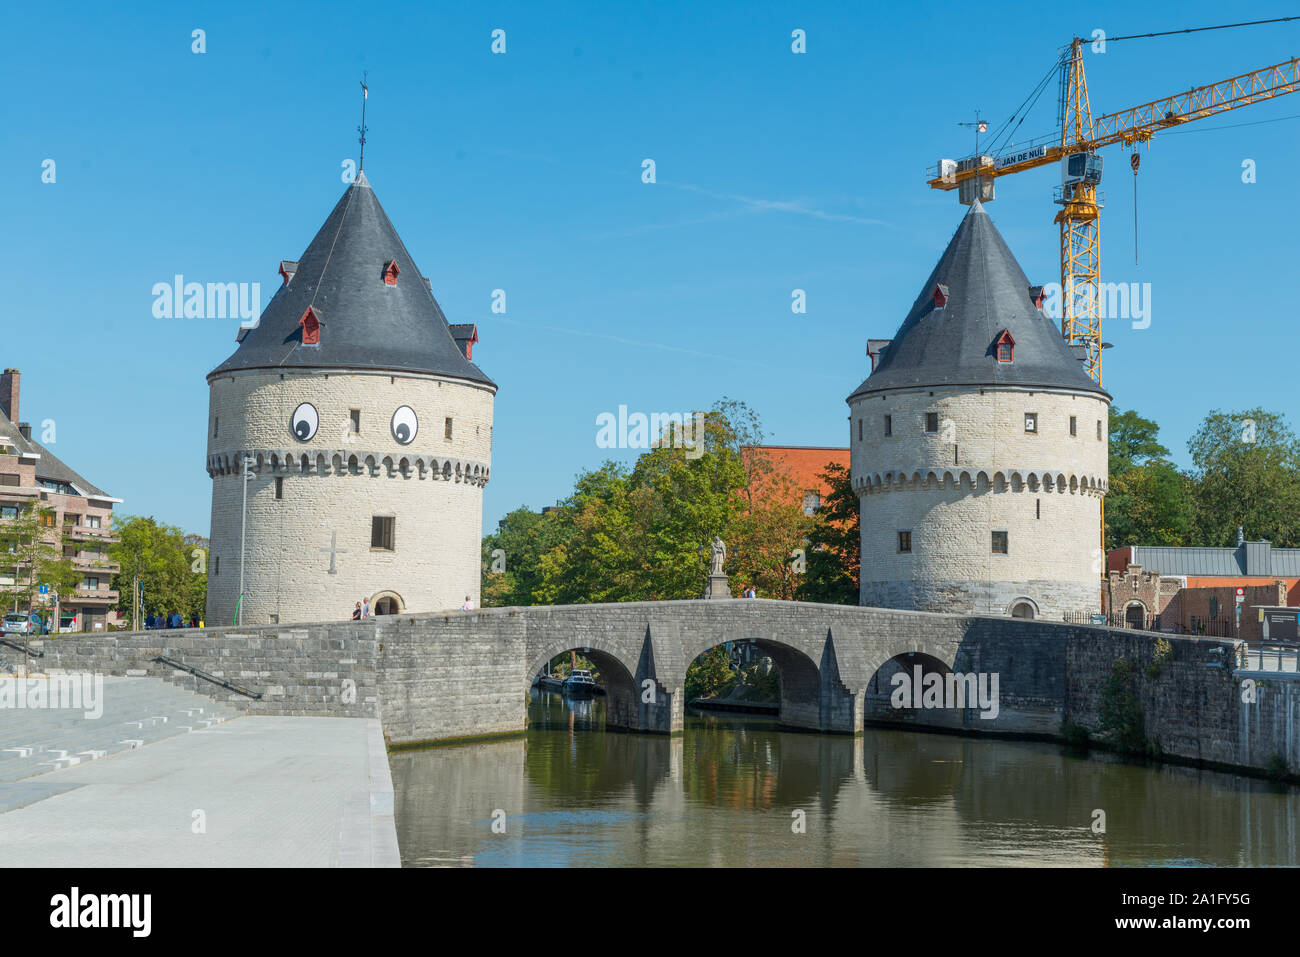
(678, 430)
(1113, 300)
(179, 299)
(945, 691)
(84, 692)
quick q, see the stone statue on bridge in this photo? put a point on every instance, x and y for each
(715, 586)
(719, 555)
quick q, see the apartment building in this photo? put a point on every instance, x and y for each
(30, 474)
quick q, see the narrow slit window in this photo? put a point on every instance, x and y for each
(279, 487)
(447, 428)
(905, 541)
(1074, 425)
(889, 425)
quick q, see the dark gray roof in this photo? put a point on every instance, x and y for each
(1248, 558)
(986, 292)
(48, 465)
(365, 323)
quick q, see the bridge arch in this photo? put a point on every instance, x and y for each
(808, 689)
(622, 696)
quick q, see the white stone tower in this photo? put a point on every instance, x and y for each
(979, 448)
(370, 434)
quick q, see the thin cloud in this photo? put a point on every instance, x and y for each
(633, 342)
(774, 205)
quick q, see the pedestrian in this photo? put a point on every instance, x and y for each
(365, 608)
(356, 612)
(468, 605)
(148, 623)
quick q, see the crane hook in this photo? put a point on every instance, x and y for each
(1135, 161)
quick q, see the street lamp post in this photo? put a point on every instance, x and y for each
(247, 474)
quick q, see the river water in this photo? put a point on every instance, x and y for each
(738, 792)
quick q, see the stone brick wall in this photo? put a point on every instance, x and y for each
(980, 472)
(431, 487)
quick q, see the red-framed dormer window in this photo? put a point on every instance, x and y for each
(310, 323)
(940, 296)
(1037, 295)
(1005, 347)
(390, 273)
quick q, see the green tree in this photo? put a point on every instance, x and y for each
(1133, 441)
(1149, 501)
(34, 549)
(711, 675)
(641, 534)
(834, 543)
(1247, 474)
(173, 572)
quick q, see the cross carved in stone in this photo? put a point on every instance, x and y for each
(333, 550)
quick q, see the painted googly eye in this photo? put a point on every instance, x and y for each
(305, 421)
(405, 425)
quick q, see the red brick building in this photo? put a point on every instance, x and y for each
(1193, 590)
(796, 473)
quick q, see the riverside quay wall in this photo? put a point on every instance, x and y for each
(457, 675)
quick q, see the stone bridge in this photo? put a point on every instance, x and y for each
(466, 675)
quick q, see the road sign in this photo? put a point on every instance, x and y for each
(1241, 592)
(1241, 599)
(45, 589)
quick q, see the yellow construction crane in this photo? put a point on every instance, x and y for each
(1075, 148)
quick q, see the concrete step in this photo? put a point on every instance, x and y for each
(135, 712)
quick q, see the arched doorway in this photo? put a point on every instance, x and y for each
(386, 603)
(1135, 615)
(1022, 609)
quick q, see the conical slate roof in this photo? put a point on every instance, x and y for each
(986, 292)
(365, 323)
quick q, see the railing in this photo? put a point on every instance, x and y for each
(85, 532)
(1283, 657)
(1215, 628)
(200, 673)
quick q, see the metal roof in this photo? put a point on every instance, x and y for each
(365, 322)
(1247, 559)
(953, 344)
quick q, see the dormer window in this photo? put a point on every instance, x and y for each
(1037, 295)
(310, 323)
(390, 273)
(940, 296)
(1004, 347)
(287, 268)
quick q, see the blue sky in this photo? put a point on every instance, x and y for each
(522, 172)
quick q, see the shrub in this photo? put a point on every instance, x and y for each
(1120, 718)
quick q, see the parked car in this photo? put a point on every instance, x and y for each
(16, 623)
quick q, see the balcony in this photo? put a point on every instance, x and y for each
(84, 533)
(91, 596)
(103, 565)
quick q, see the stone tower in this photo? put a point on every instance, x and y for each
(979, 448)
(370, 434)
